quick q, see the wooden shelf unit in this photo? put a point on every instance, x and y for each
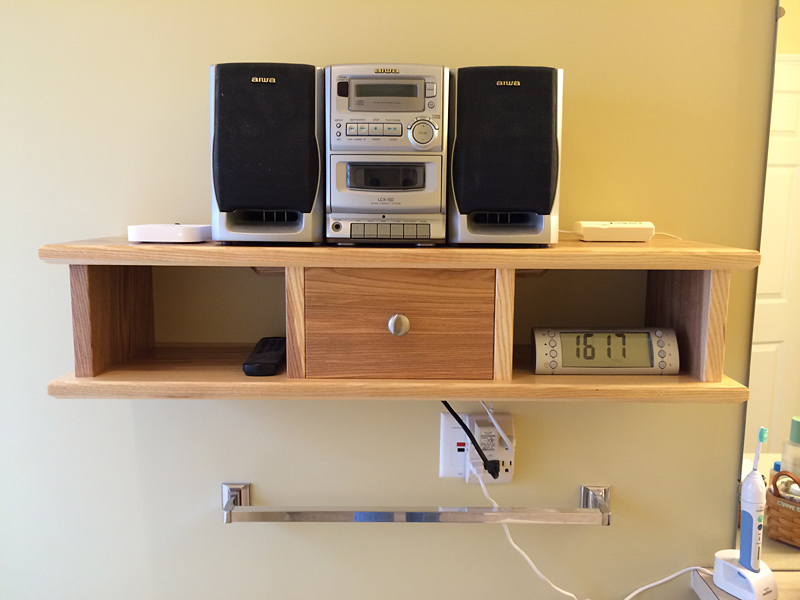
(116, 357)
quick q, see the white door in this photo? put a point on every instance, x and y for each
(775, 363)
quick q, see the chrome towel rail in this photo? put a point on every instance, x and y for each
(594, 510)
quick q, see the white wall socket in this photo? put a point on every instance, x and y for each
(453, 444)
(455, 449)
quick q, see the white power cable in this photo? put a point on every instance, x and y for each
(522, 552)
(673, 576)
(514, 545)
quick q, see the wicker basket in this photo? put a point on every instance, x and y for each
(783, 516)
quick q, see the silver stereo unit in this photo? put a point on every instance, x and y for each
(386, 153)
(268, 169)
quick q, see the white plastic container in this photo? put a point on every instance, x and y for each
(790, 459)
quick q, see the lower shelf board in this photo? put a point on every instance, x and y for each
(214, 371)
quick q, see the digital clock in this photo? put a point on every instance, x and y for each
(637, 351)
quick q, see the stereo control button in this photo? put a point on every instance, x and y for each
(376, 128)
(357, 230)
(363, 129)
(662, 365)
(553, 364)
(430, 90)
(352, 129)
(384, 230)
(397, 231)
(409, 230)
(370, 230)
(424, 231)
(422, 132)
(393, 129)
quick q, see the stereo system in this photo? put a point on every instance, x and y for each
(385, 154)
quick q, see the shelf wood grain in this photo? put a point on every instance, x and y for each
(347, 313)
(112, 294)
(214, 371)
(112, 315)
(657, 254)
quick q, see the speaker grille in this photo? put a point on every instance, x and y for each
(502, 218)
(505, 158)
(267, 216)
(265, 154)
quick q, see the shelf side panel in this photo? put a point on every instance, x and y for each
(504, 324)
(717, 319)
(112, 315)
(680, 300)
(295, 323)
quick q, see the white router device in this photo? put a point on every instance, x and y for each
(614, 231)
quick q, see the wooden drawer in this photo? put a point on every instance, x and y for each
(451, 315)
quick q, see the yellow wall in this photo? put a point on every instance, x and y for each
(789, 28)
(104, 123)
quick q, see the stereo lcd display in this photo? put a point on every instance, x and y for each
(387, 90)
(380, 95)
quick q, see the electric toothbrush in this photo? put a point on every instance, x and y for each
(754, 500)
(748, 578)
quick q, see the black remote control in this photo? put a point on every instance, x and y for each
(266, 357)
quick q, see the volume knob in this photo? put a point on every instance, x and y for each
(422, 132)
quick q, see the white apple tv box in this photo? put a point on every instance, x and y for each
(175, 233)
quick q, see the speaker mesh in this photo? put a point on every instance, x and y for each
(505, 157)
(265, 155)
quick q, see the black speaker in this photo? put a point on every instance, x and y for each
(267, 170)
(505, 159)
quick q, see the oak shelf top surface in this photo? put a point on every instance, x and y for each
(658, 254)
(214, 371)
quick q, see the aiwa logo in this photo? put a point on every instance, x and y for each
(263, 80)
(509, 83)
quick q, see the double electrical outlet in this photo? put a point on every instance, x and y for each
(456, 452)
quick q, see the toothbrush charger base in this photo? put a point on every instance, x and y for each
(732, 577)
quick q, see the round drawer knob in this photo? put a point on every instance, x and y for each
(399, 324)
